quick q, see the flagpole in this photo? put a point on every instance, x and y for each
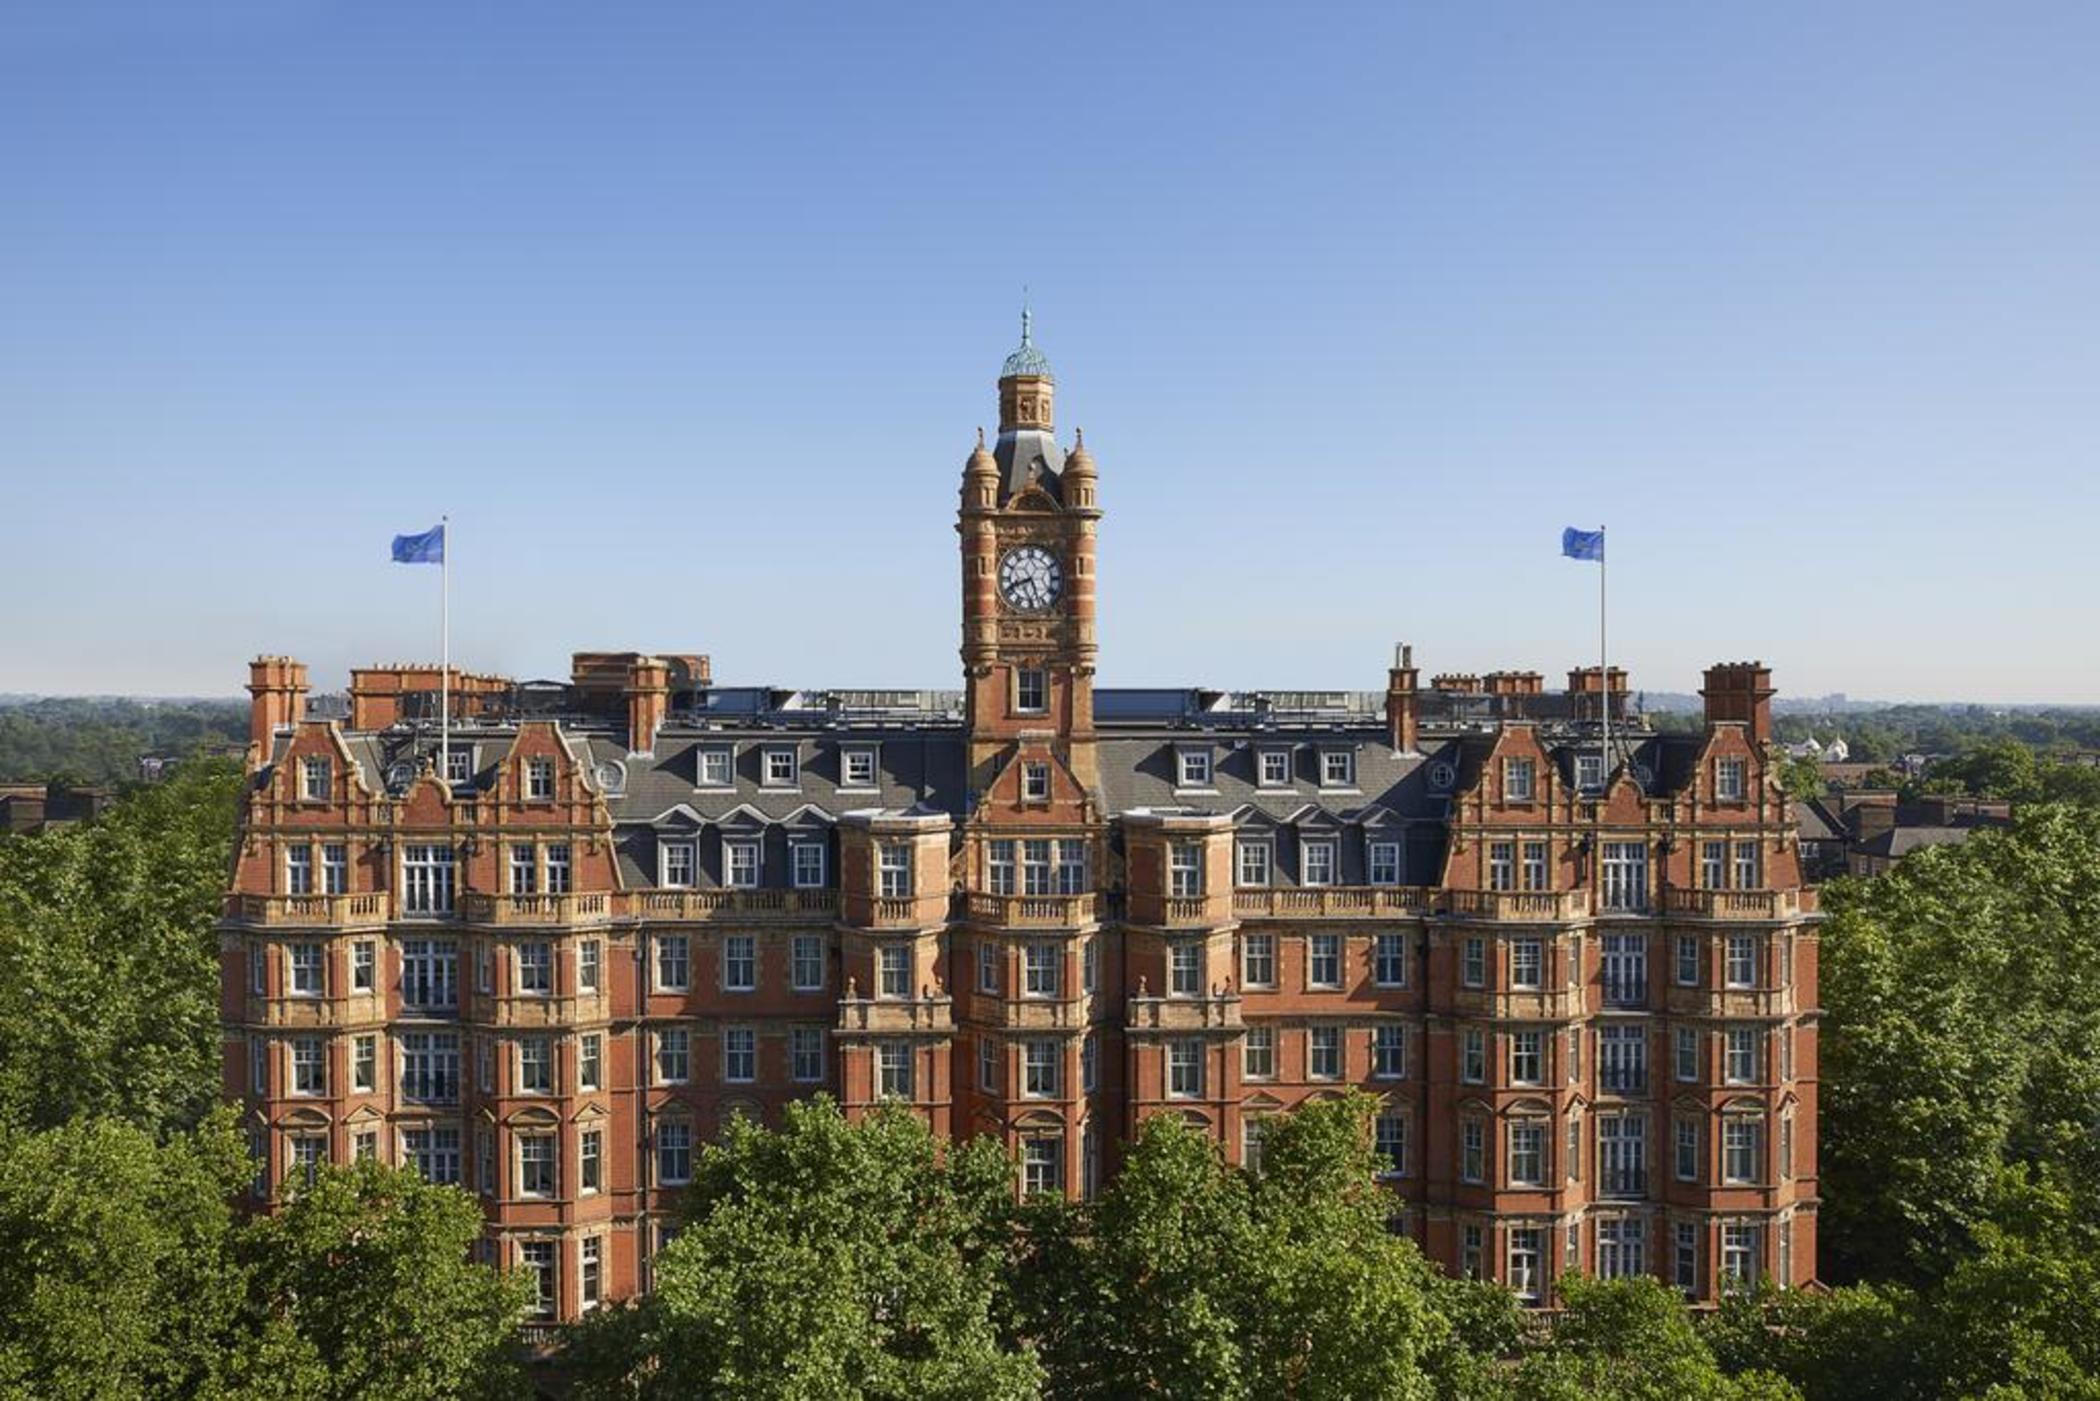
(445, 652)
(1604, 657)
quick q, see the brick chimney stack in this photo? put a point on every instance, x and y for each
(1402, 710)
(1740, 692)
(648, 701)
(1586, 693)
(277, 687)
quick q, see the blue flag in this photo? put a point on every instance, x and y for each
(1576, 544)
(427, 548)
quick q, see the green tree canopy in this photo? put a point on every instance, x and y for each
(827, 1259)
(109, 968)
(1192, 1279)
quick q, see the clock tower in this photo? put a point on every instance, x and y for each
(1028, 523)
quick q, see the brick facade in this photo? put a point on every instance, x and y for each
(551, 966)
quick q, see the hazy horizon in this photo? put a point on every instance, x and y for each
(687, 317)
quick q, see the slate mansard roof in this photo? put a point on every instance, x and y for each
(921, 763)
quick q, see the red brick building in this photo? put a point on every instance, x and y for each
(551, 963)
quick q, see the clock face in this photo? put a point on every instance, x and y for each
(1030, 578)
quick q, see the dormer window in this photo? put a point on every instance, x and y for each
(1192, 768)
(677, 865)
(459, 765)
(809, 865)
(714, 768)
(857, 766)
(1519, 780)
(1337, 768)
(1035, 783)
(740, 865)
(1031, 690)
(781, 770)
(1317, 864)
(539, 780)
(1273, 768)
(314, 776)
(1589, 772)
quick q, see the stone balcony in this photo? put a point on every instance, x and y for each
(1217, 1015)
(1044, 912)
(1521, 1005)
(1036, 1013)
(367, 908)
(536, 911)
(741, 906)
(1738, 904)
(1333, 901)
(882, 1016)
(1730, 1003)
(1518, 906)
(532, 1012)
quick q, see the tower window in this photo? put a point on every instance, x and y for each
(1031, 690)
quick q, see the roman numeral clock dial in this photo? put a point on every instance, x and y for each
(1030, 579)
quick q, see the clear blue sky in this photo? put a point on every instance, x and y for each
(687, 315)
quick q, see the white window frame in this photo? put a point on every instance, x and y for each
(539, 779)
(671, 953)
(672, 1061)
(1319, 861)
(806, 963)
(854, 757)
(1389, 960)
(1273, 768)
(1036, 679)
(743, 863)
(1527, 964)
(1338, 768)
(1389, 1051)
(739, 1055)
(1519, 779)
(1325, 957)
(740, 963)
(546, 1147)
(1258, 960)
(1258, 1054)
(773, 773)
(806, 1055)
(1383, 863)
(1254, 863)
(806, 862)
(1324, 1053)
(672, 855)
(1035, 783)
(1185, 1070)
(716, 767)
(1192, 767)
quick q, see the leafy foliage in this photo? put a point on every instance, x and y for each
(125, 1274)
(109, 958)
(1963, 998)
(828, 1259)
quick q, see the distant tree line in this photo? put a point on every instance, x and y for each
(95, 741)
(1883, 736)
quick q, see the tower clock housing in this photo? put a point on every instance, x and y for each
(1028, 523)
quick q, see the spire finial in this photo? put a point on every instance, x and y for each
(1027, 316)
(1078, 439)
(980, 437)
